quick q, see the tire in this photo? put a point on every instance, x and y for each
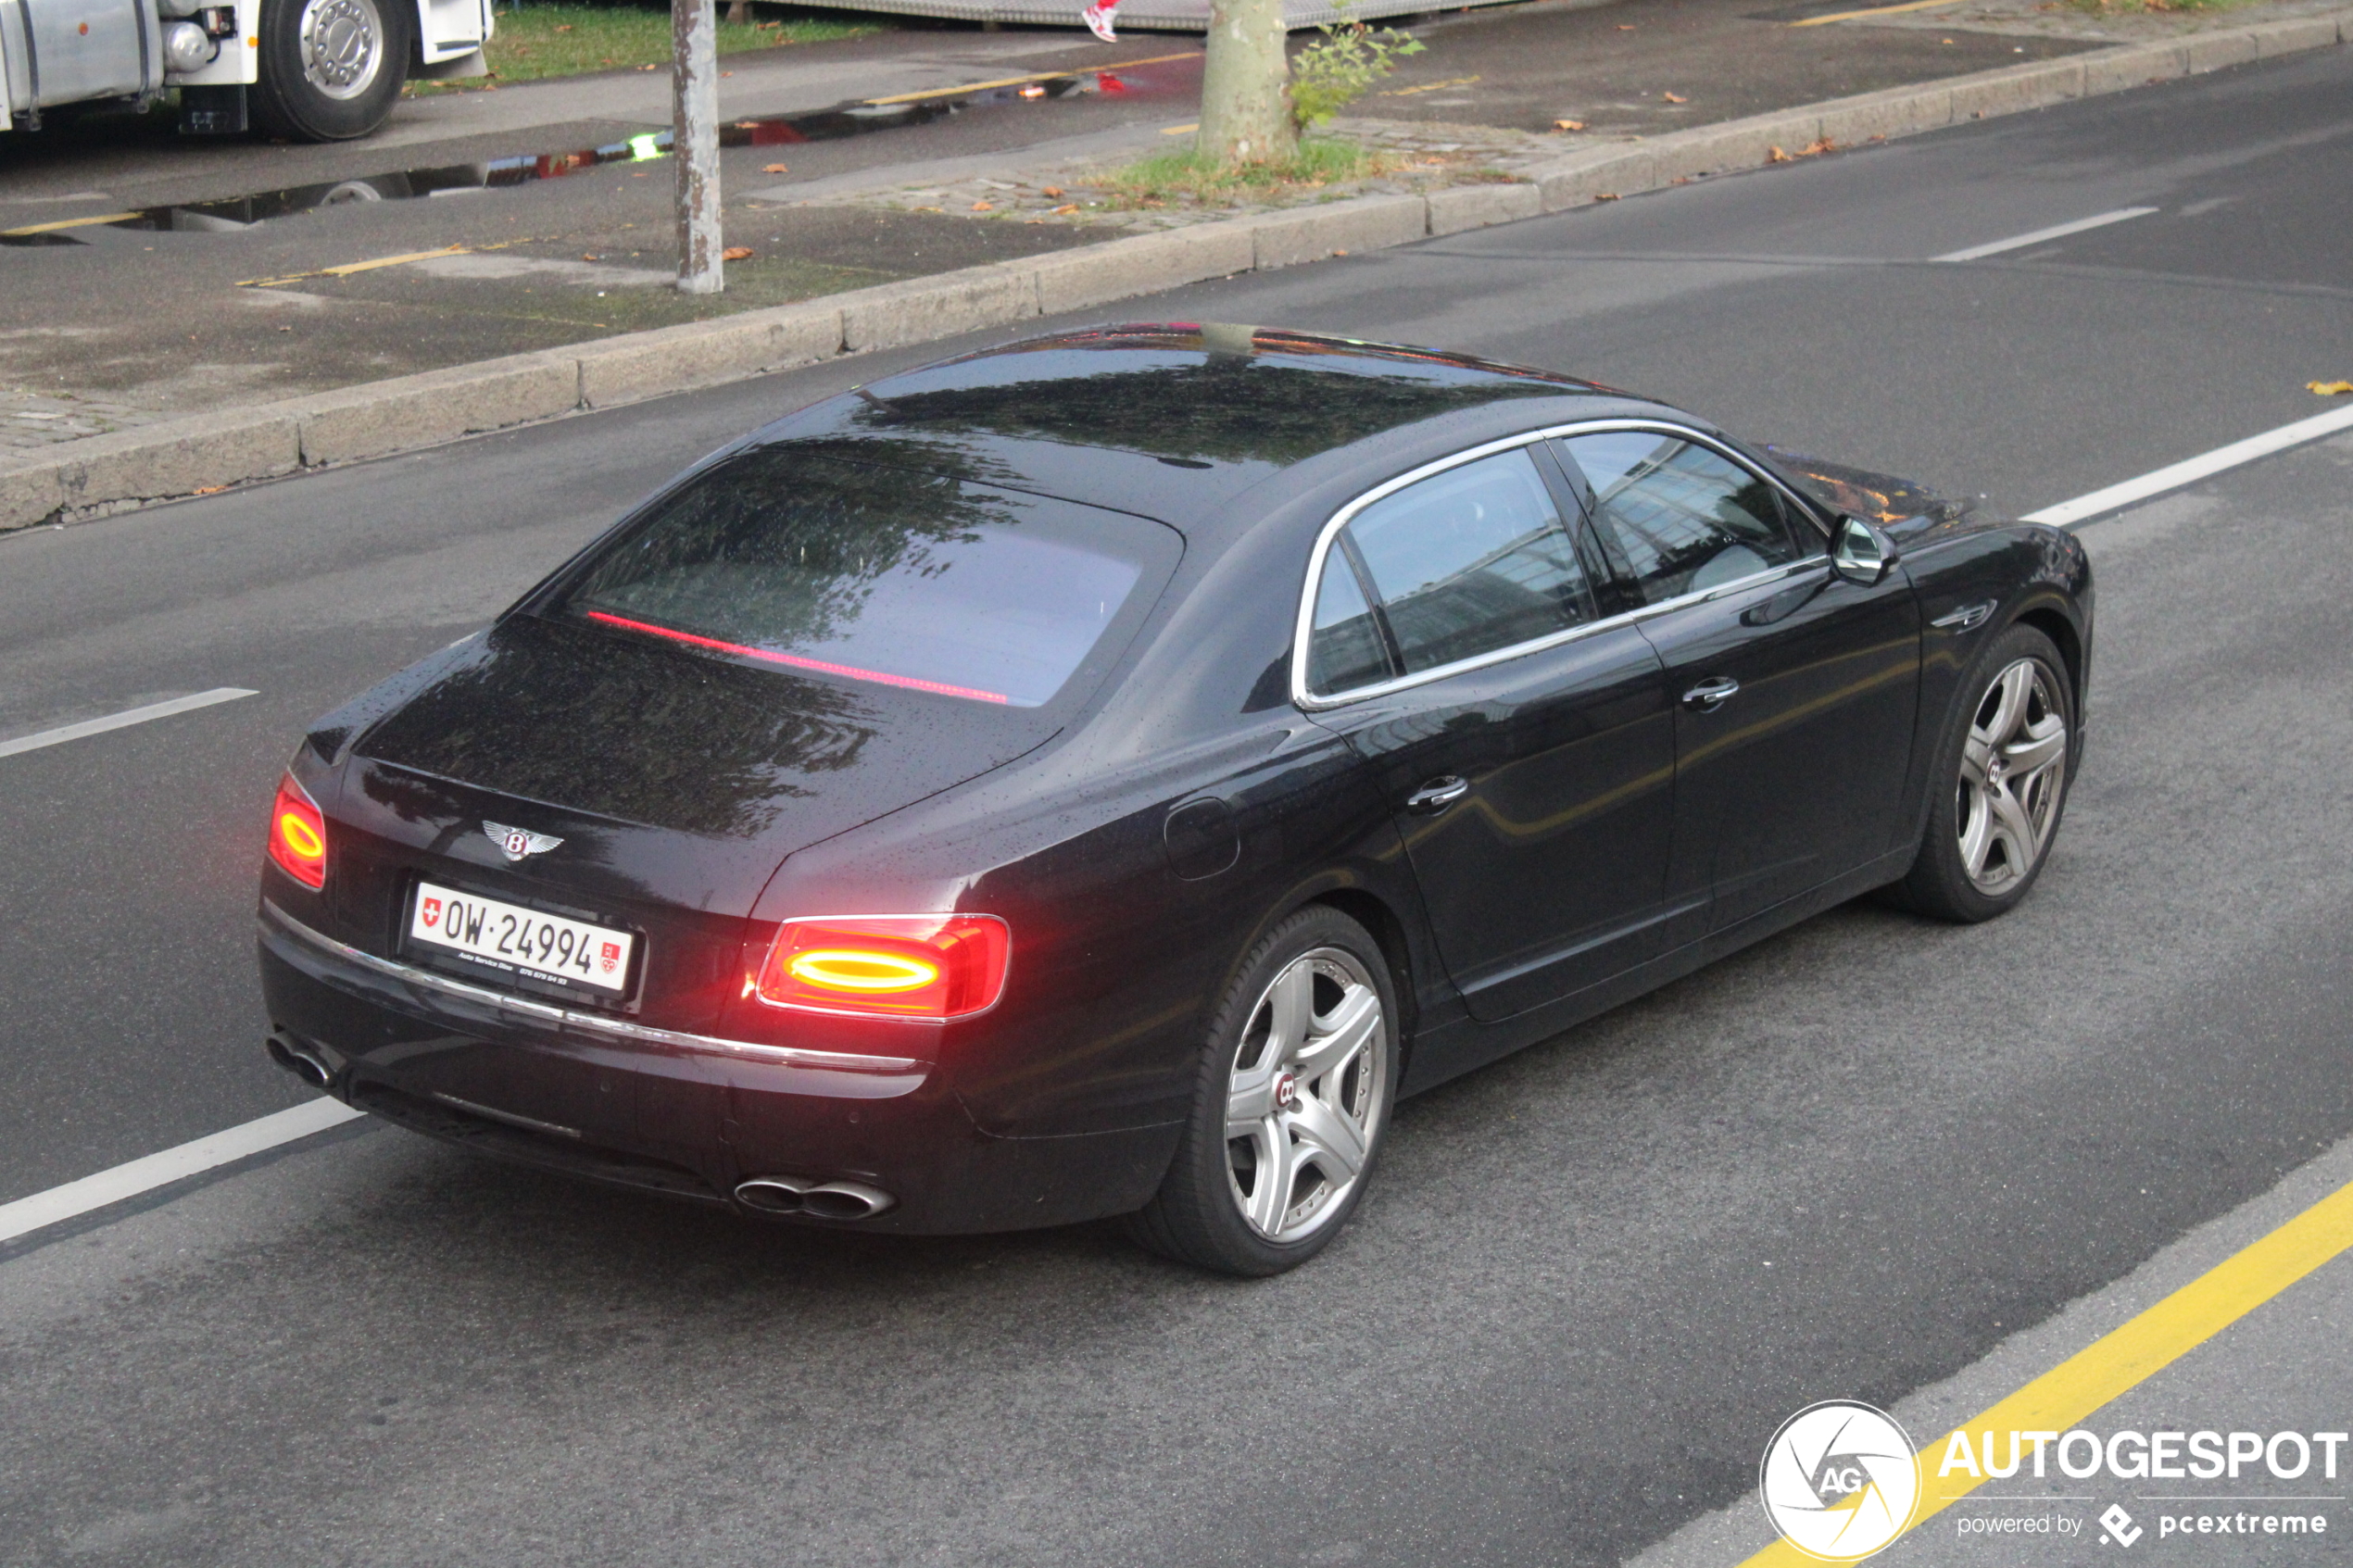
(2006, 752)
(332, 69)
(1302, 1058)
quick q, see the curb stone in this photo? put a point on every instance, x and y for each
(173, 458)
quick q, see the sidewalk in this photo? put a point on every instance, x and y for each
(268, 313)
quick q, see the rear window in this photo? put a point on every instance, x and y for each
(890, 576)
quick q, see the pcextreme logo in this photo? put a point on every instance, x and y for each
(1839, 1480)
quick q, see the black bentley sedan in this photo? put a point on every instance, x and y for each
(1098, 776)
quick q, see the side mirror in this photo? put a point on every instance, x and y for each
(1861, 553)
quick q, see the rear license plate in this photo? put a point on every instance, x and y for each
(502, 937)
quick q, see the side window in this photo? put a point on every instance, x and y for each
(1467, 561)
(1675, 517)
(1345, 649)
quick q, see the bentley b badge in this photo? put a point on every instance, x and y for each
(516, 843)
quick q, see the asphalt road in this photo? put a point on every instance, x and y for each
(1591, 1279)
(563, 260)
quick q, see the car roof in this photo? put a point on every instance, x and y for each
(1170, 419)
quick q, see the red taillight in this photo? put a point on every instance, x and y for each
(299, 835)
(889, 966)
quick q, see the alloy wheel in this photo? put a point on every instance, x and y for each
(1305, 1095)
(2013, 770)
(341, 46)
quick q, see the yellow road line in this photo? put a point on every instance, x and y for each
(1432, 87)
(71, 223)
(348, 267)
(1875, 11)
(2112, 1366)
(1179, 129)
(932, 93)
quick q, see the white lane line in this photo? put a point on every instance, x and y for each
(2068, 514)
(2056, 232)
(64, 733)
(145, 1174)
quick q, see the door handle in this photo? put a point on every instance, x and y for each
(1710, 693)
(1437, 795)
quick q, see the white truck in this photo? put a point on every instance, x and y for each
(315, 71)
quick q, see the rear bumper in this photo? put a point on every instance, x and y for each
(686, 1115)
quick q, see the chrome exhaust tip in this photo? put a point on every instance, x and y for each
(299, 1059)
(817, 1200)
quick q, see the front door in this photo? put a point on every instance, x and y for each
(1528, 753)
(1795, 688)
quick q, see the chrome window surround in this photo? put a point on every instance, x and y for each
(1304, 626)
(587, 1022)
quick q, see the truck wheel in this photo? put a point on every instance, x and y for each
(330, 69)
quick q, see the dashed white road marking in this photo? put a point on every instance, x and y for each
(2056, 232)
(150, 1172)
(64, 733)
(2070, 514)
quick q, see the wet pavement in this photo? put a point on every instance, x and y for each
(157, 276)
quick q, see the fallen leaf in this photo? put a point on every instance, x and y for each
(2331, 388)
(648, 67)
(774, 168)
(1339, 253)
(726, 73)
(1053, 192)
(1065, 209)
(1625, 27)
(736, 253)
(1775, 154)
(982, 207)
(208, 489)
(1569, 125)
(1675, 97)
(587, 256)
(1605, 195)
(565, 27)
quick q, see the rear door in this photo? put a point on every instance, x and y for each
(1794, 689)
(1527, 750)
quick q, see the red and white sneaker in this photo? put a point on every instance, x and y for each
(1098, 20)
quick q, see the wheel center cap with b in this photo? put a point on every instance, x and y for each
(1287, 1092)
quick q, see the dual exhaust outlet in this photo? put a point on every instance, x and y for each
(296, 1055)
(816, 1201)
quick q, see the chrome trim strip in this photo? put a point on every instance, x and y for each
(1304, 625)
(592, 1024)
(1969, 618)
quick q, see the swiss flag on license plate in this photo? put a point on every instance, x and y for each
(433, 910)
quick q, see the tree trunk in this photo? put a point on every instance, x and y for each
(1245, 87)
(738, 13)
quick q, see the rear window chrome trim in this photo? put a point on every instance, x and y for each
(594, 1023)
(1303, 626)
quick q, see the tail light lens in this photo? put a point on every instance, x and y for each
(299, 834)
(932, 967)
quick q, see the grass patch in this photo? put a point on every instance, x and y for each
(1186, 176)
(535, 42)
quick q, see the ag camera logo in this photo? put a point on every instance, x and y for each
(1839, 1480)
